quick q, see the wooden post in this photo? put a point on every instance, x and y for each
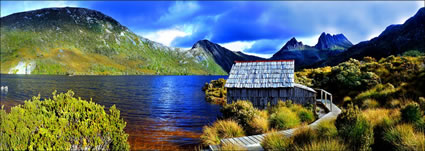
(331, 102)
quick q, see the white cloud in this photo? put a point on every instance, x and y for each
(10, 7)
(165, 36)
(311, 41)
(259, 55)
(238, 45)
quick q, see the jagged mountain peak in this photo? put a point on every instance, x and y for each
(332, 42)
(292, 44)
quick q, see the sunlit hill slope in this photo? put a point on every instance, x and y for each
(86, 42)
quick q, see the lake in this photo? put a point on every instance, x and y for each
(162, 112)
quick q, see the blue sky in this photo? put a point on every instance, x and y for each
(254, 27)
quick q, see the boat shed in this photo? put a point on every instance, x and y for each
(266, 82)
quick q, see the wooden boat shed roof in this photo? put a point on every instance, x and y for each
(263, 74)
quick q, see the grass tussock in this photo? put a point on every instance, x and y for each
(276, 141)
(377, 116)
(327, 144)
(219, 130)
(326, 129)
(404, 137)
(232, 147)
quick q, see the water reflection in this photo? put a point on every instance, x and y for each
(162, 112)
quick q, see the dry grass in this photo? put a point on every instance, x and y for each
(404, 137)
(376, 116)
(232, 147)
(329, 144)
(219, 130)
(276, 141)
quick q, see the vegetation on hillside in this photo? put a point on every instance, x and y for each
(382, 106)
(241, 118)
(382, 81)
(62, 42)
(62, 123)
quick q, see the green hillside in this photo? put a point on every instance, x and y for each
(85, 42)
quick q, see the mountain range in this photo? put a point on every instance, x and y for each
(328, 45)
(83, 41)
(394, 40)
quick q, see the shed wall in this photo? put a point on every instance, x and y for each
(260, 97)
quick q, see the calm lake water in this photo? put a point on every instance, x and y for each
(162, 112)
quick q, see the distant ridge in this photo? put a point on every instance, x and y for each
(394, 40)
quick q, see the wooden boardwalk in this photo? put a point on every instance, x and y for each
(254, 142)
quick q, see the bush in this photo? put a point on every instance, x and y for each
(328, 144)
(276, 141)
(284, 119)
(354, 128)
(304, 135)
(411, 113)
(219, 130)
(305, 115)
(370, 104)
(327, 129)
(240, 111)
(403, 137)
(62, 123)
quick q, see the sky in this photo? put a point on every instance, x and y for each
(254, 27)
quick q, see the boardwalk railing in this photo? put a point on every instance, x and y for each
(254, 142)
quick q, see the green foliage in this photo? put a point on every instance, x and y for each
(240, 111)
(411, 113)
(276, 141)
(354, 128)
(305, 115)
(350, 78)
(381, 93)
(62, 123)
(219, 130)
(413, 53)
(284, 118)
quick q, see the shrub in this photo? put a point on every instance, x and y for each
(305, 115)
(328, 144)
(284, 119)
(304, 135)
(403, 137)
(370, 103)
(326, 129)
(62, 123)
(394, 103)
(276, 141)
(411, 113)
(232, 147)
(219, 130)
(354, 128)
(422, 103)
(240, 111)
